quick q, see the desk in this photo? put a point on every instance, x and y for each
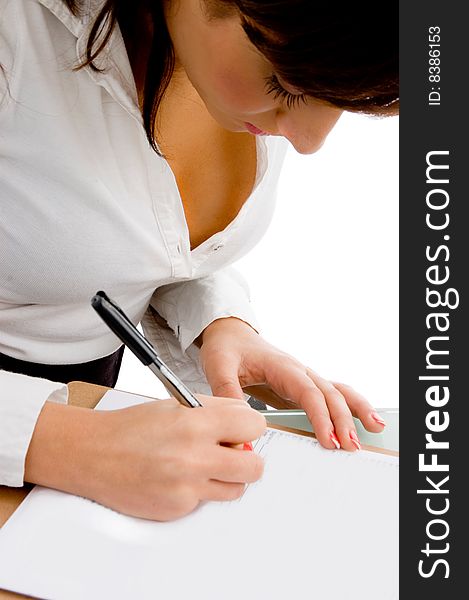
(88, 396)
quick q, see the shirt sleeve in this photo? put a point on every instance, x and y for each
(21, 402)
(179, 312)
(190, 306)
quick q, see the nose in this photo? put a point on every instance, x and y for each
(307, 126)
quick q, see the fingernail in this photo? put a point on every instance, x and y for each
(355, 440)
(247, 446)
(378, 419)
(334, 440)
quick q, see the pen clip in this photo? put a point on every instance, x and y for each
(123, 328)
(120, 324)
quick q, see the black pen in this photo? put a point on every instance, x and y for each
(122, 326)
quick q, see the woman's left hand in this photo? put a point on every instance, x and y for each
(235, 356)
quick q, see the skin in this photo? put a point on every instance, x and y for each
(228, 73)
(157, 460)
(136, 460)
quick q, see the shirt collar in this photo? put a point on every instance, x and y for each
(76, 24)
(123, 89)
(114, 72)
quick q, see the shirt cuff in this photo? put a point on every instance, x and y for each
(190, 306)
(21, 402)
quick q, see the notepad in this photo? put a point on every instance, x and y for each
(319, 524)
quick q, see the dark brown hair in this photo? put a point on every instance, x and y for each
(341, 53)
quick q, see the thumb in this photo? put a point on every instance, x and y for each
(221, 370)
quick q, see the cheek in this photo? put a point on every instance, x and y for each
(236, 92)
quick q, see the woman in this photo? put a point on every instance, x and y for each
(141, 143)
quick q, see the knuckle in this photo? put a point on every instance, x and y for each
(361, 403)
(225, 388)
(261, 423)
(343, 418)
(347, 387)
(309, 393)
(235, 490)
(184, 507)
(330, 389)
(186, 497)
(190, 463)
(343, 428)
(231, 405)
(183, 465)
(321, 421)
(285, 357)
(256, 468)
(191, 431)
(183, 501)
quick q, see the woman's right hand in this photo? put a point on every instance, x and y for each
(156, 460)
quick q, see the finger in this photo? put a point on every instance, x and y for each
(206, 402)
(339, 411)
(217, 402)
(226, 421)
(221, 490)
(235, 424)
(221, 370)
(236, 466)
(361, 408)
(291, 381)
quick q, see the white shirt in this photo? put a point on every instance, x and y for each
(87, 205)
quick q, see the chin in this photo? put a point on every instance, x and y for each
(232, 126)
(309, 148)
(225, 122)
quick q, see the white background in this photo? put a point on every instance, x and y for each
(324, 279)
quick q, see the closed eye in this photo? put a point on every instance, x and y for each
(272, 86)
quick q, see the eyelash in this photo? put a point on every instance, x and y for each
(273, 86)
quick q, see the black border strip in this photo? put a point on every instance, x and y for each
(433, 256)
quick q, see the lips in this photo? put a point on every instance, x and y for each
(252, 129)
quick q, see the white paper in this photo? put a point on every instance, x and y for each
(319, 524)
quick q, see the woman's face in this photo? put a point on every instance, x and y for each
(229, 74)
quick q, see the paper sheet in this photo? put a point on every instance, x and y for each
(319, 524)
